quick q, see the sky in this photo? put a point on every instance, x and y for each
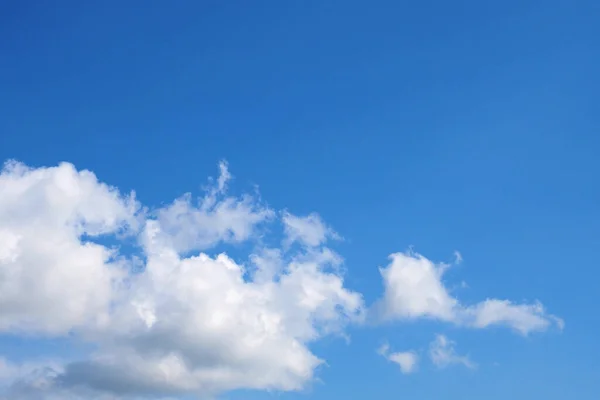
(299, 200)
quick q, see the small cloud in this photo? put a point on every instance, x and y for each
(457, 257)
(414, 288)
(309, 230)
(523, 318)
(443, 354)
(224, 176)
(407, 361)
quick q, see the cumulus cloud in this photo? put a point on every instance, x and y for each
(414, 288)
(196, 325)
(171, 316)
(52, 276)
(185, 323)
(443, 354)
(407, 360)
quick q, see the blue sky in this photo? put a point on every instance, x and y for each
(446, 126)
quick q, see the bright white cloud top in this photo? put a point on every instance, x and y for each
(173, 319)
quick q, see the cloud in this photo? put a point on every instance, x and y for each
(8, 371)
(224, 176)
(52, 277)
(414, 288)
(309, 230)
(217, 218)
(443, 354)
(181, 324)
(523, 318)
(407, 361)
(170, 316)
(196, 325)
(27, 380)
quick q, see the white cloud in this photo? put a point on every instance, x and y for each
(190, 324)
(523, 318)
(217, 218)
(309, 230)
(414, 288)
(51, 278)
(224, 176)
(197, 325)
(442, 353)
(184, 324)
(407, 360)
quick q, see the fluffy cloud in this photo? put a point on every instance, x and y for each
(407, 360)
(52, 278)
(216, 218)
(170, 317)
(523, 318)
(414, 288)
(179, 324)
(442, 353)
(309, 230)
(197, 325)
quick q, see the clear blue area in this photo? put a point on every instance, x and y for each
(447, 125)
